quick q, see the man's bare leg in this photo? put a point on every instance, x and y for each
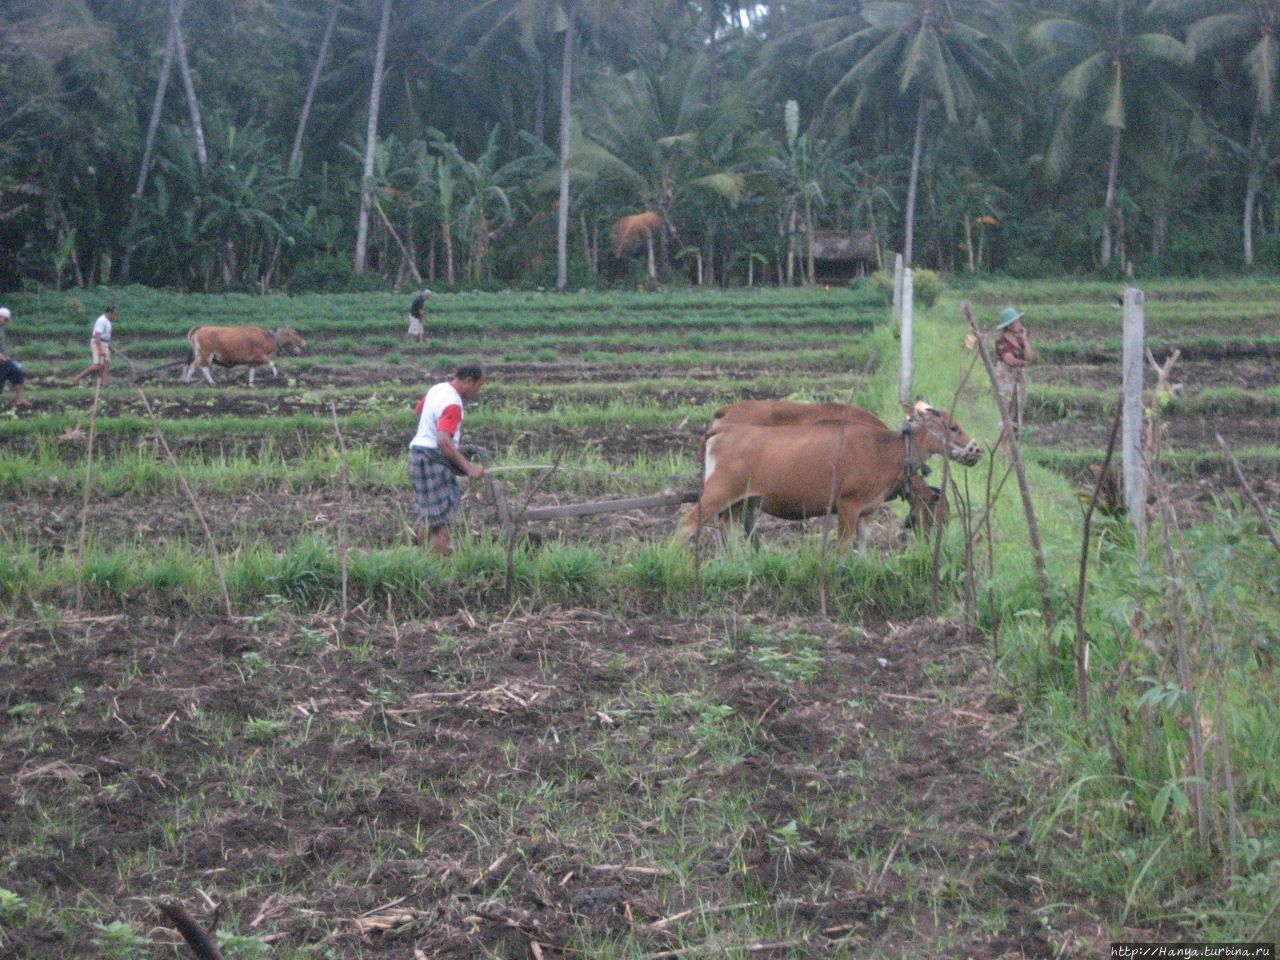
(92, 368)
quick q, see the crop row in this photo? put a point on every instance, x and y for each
(615, 416)
(841, 359)
(453, 325)
(378, 344)
(306, 573)
(1057, 402)
(143, 472)
(56, 469)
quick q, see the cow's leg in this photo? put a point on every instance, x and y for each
(207, 375)
(252, 371)
(188, 372)
(274, 371)
(717, 497)
(851, 516)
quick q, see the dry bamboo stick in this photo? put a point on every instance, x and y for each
(345, 508)
(1006, 424)
(195, 504)
(84, 509)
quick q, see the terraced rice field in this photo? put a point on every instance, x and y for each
(614, 758)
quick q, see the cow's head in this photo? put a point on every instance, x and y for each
(291, 339)
(936, 431)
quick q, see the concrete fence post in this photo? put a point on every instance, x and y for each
(897, 289)
(908, 309)
(1135, 494)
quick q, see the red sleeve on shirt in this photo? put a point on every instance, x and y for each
(421, 403)
(450, 420)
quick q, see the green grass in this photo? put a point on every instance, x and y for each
(306, 575)
(1121, 789)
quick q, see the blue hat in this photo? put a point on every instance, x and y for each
(1008, 316)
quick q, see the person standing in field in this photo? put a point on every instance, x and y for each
(1013, 353)
(416, 329)
(436, 459)
(100, 347)
(10, 370)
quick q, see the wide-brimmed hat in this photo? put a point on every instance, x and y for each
(1008, 316)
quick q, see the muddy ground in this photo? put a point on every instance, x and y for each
(530, 786)
(1243, 374)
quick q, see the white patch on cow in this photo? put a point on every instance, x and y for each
(709, 467)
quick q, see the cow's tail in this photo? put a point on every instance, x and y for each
(191, 345)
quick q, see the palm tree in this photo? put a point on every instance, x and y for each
(807, 170)
(184, 68)
(148, 150)
(371, 138)
(295, 154)
(532, 21)
(1248, 33)
(931, 52)
(486, 191)
(1111, 60)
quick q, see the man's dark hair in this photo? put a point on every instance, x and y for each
(111, 308)
(469, 371)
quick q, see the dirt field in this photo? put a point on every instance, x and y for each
(526, 787)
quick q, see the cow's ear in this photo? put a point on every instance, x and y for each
(909, 410)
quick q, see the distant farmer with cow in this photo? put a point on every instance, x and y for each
(416, 329)
(1013, 353)
(436, 459)
(100, 347)
(10, 370)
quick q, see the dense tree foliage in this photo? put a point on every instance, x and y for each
(702, 141)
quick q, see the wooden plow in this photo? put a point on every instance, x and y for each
(510, 518)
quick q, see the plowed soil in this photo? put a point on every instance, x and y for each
(535, 786)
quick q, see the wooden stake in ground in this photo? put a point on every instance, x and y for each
(938, 523)
(195, 504)
(826, 522)
(1196, 794)
(1006, 424)
(84, 508)
(345, 507)
(201, 943)
(513, 530)
(1082, 644)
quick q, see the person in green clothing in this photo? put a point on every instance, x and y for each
(1013, 353)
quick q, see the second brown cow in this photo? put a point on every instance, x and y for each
(250, 347)
(809, 470)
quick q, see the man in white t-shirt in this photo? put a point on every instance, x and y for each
(100, 346)
(436, 459)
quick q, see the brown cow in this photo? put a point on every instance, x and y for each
(798, 471)
(781, 413)
(238, 346)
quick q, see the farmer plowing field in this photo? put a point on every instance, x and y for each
(436, 459)
(100, 347)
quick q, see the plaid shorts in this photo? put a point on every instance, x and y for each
(436, 489)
